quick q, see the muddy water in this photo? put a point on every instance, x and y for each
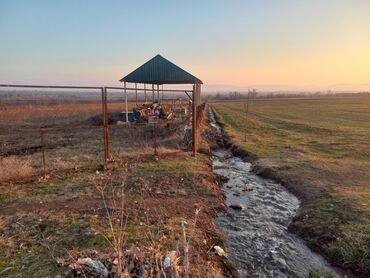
(257, 238)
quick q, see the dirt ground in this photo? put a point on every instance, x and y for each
(43, 222)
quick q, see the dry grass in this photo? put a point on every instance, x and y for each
(66, 217)
(159, 196)
(11, 167)
(67, 148)
(35, 115)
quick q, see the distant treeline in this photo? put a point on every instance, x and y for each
(255, 94)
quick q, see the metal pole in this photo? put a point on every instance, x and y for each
(106, 143)
(194, 122)
(162, 92)
(199, 103)
(153, 91)
(158, 92)
(136, 92)
(43, 151)
(103, 114)
(105, 123)
(145, 91)
(124, 89)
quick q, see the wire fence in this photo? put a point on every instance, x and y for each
(44, 129)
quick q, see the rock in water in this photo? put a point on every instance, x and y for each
(236, 206)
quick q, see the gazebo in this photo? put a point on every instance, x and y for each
(159, 71)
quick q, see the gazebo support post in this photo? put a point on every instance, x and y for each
(162, 92)
(145, 91)
(194, 122)
(158, 92)
(126, 104)
(153, 92)
(136, 93)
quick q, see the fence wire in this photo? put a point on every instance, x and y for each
(43, 130)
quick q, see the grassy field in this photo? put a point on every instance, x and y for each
(319, 148)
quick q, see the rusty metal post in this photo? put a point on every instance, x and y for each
(103, 114)
(43, 151)
(194, 123)
(105, 124)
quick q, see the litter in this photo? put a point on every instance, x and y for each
(94, 266)
(166, 262)
(219, 251)
(146, 111)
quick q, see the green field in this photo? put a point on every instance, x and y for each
(320, 149)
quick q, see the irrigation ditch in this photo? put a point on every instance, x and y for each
(256, 222)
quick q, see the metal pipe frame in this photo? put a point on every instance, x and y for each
(136, 93)
(105, 124)
(87, 87)
(153, 92)
(145, 92)
(126, 102)
(195, 101)
(194, 128)
(48, 86)
(143, 89)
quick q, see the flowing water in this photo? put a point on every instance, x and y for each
(257, 238)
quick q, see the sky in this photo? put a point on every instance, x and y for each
(229, 44)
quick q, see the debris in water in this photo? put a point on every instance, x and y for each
(236, 206)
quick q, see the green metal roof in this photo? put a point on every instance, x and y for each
(159, 70)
